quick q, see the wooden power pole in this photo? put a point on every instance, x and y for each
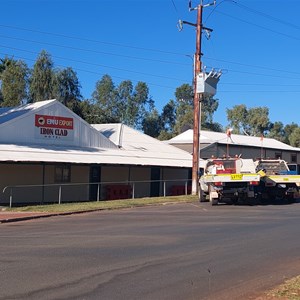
(199, 91)
(197, 100)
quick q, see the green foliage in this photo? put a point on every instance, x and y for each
(237, 117)
(67, 87)
(4, 62)
(105, 100)
(152, 124)
(294, 137)
(277, 132)
(258, 119)
(168, 116)
(185, 110)
(125, 103)
(252, 121)
(185, 94)
(14, 83)
(42, 82)
(289, 128)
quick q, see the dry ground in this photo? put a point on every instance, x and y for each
(290, 290)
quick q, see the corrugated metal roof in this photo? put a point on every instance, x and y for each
(210, 137)
(22, 153)
(11, 113)
(133, 147)
(137, 143)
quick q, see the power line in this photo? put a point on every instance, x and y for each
(94, 64)
(259, 26)
(91, 40)
(252, 66)
(267, 16)
(90, 50)
(175, 8)
(259, 91)
(96, 73)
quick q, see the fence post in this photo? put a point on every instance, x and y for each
(186, 188)
(164, 189)
(98, 192)
(133, 190)
(59, 195)
(10, 198)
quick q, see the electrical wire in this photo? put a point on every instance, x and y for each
(91, 40)
(259, 26)
(90, 50)
(93, 72)
(93, 64)
(267, 16)
(253, 66)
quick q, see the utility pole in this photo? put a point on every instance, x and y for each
(199, 91)
(197, 99)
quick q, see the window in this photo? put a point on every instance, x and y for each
(294, 158)
(63, 173)
(278, 155)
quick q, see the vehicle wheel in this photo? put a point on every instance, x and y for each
(201, 194)
(214, 201)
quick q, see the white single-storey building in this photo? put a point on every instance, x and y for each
(50, 154)
(219, 144)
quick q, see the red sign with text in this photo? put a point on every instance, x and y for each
(54, 122)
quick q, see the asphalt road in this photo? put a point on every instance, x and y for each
(176, 251)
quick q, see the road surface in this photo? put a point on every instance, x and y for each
(175, 251)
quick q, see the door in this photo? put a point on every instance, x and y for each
(95, 177)
(155, 182)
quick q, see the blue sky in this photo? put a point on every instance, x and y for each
(255, 43)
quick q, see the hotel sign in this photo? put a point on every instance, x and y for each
(53, 127)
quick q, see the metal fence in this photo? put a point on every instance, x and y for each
(98, 191)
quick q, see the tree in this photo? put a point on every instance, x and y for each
(237, 117)
(42, 81)
(289, 128)
(67, 87)
(208, 108)
(277, 132)
(252, 121)
(152, 124)
(125, 103)
(4, 62)
(185, 110)
(14, 83)
(258, 120)
(140, 104)
(168, 116)
(104, 98)
(294, 137)
(124, 98)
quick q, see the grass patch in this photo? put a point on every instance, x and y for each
(290, 290)
(113, 204)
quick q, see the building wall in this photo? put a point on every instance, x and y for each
(20, 174)
(220, 150)
(27, 181)
(142, 174)
(175, 180)
(186, 147)
(124, 174)
(27, 129)
(44, 189)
